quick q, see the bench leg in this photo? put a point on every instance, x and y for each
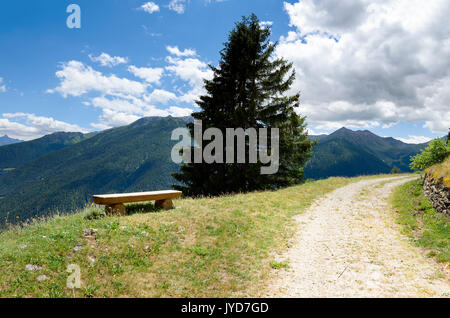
(164, 204)
(116, 209)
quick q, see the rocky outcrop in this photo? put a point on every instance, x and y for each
(438, 193)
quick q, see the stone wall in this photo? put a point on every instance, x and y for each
(437, 193)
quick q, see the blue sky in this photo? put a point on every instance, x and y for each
(138, 58)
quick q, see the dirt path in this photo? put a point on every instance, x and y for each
(349, 245)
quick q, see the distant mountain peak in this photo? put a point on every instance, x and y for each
(342, 132)
(344, 129)
(346, 152)
(348, 133)
(148, 120)
(367, 133)
(6, 140)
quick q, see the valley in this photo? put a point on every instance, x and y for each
(63, 174)
(60, 172)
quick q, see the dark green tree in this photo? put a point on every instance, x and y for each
(248, 90)
(395, 170)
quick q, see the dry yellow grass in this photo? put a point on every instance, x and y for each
(441, 171)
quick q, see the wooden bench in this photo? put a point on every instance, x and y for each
(115, 202)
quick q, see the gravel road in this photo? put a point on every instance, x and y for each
(349, 245)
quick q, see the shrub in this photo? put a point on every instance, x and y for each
(436, 152)
(95, 214)
(395, 170)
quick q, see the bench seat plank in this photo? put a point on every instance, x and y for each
(111, 199)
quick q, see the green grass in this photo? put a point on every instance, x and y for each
(426, 227)
(208, 247)
(279, 265)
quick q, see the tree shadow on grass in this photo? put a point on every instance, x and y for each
(140, 208)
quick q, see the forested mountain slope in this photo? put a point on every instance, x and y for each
(124, 159)
(351, 153)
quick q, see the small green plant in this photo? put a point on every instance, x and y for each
(56, 291)
(90, 290)
(436, 152)
(200, 251)
(113, 226)
(95, 214)
(279, 265)
(117, 269)
(117, 286)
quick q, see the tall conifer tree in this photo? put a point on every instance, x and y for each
(248, 90)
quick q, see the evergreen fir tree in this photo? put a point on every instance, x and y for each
(249, 90)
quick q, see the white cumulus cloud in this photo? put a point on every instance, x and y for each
(122, 101)
(193, 71)
(150, 75)
(180, 111)
(160, 96)
(179, 6)
(26, 126)
(107, 60)
(370, 63)
(414, 139)
(77, 79)
(174, 50)
(266, 24)
(123, 111)
(150, 7)
(2, 86)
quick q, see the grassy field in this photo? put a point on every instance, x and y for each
(210, 247)
(421, 222)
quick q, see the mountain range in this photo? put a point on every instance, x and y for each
(5, 140)
(350, 153)
(125, 159)
(17, 154)
(61, 172)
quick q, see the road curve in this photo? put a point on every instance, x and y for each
(349, 245)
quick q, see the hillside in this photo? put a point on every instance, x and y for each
(15, 155)
(420, 206)
(209, 247)
(340, 157)
(60, 172)
(351, 153)
(232, 246)
(5, 140)
(130, 158)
